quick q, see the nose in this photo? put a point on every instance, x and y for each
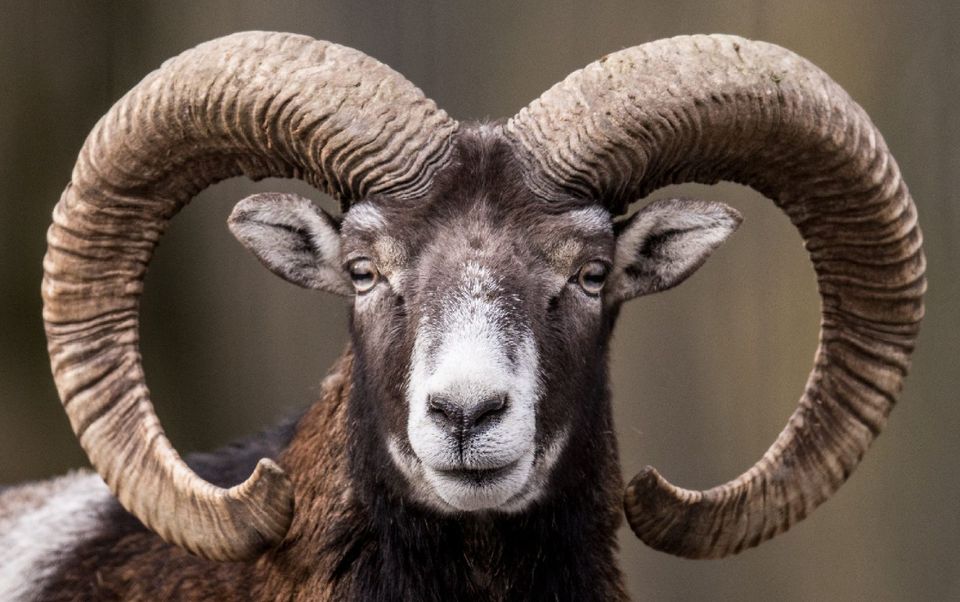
(464, 417)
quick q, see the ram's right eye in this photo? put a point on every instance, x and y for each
(364, 274)
(592, 276)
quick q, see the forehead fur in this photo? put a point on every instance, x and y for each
(480, 203)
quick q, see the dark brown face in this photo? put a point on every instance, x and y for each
(476, 301)
(481, 313)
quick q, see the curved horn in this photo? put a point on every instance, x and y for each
(710, 108)
(259, 104)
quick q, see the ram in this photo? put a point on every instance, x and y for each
(462, 446)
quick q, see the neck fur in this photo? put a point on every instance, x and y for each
(354, 537)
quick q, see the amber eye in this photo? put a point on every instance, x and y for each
(592, 276)
(364, 274)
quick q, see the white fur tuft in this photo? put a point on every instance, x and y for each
(39, 522)
(463, 353)
(365, 216)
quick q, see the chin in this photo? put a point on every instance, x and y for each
(506, 488)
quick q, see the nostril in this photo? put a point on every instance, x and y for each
(487, 410)
(449, 414)
(444, 410)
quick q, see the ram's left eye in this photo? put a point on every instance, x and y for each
(363, 273)
(592, 276)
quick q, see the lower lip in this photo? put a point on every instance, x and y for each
(480, 478)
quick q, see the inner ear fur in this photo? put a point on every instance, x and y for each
(294, 238)
(661, 245)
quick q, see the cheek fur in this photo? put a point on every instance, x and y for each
(379, 327)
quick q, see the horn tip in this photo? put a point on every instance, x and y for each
(657, 512)
(647, 494)
(270, 488)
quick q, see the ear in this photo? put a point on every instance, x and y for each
(662, 244)
(297, 240)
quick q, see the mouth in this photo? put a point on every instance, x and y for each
(472, 489)
(479, 477)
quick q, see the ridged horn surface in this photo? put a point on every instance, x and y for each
(710, 108)
(257, 104)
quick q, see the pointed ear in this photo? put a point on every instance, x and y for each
(294, 238)
(662, 244)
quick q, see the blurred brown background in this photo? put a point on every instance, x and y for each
(704, 376)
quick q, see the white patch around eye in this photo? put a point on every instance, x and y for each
(57, 515)
(365, 216)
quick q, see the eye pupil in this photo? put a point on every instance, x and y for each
(592, 276)
(363, 274)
